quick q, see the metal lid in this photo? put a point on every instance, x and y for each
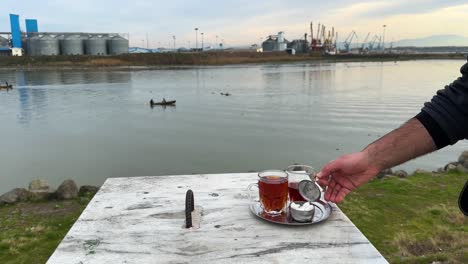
(309, 190)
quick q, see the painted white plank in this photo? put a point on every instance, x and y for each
(140, 220)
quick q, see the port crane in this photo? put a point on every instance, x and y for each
(364, 43)
(349, 40)
(372, 43)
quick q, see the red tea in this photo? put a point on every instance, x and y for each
(294, 195)
(273, 192)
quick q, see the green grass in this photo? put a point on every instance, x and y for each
(30, 232)
(413, 220)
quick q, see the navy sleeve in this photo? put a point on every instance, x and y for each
(438, 135)
(446, 115)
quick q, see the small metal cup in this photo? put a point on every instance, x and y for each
(302, 216)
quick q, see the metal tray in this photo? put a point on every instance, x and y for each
(322, 212)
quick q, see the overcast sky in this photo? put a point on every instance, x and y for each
(241, 22)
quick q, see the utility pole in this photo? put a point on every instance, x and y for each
(202, 43)
(383, 38)
(217, 44)
(196, 38)
(174, 38)
(147, 46)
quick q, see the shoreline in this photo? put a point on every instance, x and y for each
(187, 60)
(40, 190)
(426, 224)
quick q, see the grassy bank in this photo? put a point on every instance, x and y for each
(413, 220)
(30, 232)
(410, 220)
(206, 58)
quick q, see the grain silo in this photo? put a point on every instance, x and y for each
(31, 44)
(117, 45)
(282, 43)
(43, 45)
(72, 45)
(269, 45)
(96, 45)
(3, 42)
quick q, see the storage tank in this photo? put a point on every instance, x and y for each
(282, 45)
(43, 45)
(96, 45)
(3, 42)
(31, 44)
(117, 45)
(72, 45)
(269, 45)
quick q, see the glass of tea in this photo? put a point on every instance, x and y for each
(272, 190)
(297, 173)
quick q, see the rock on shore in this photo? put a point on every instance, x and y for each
(40, 190)
(15, 195)
(88, 190)
(67, 190)
(461, 166)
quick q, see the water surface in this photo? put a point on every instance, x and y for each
(91, 125)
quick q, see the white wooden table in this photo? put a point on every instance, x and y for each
(140, 220)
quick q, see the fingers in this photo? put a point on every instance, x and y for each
(330, 189)
(335, 192)
(323, 181)
(332, 166)
(341, 195)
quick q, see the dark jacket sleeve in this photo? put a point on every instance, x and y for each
(446, 115)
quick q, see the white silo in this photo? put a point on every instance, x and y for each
(282, 45)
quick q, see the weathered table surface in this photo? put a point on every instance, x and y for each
(140, 220)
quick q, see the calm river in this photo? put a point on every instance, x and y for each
(91, 125)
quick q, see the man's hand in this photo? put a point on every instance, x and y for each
(346, 174)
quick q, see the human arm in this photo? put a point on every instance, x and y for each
(348, 172)
(442, 121)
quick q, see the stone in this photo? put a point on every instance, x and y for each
(38, 195)
(39, 189)
(451, 166)
(401, 173)
(39, 185)
(462, 168)
(86, 190)
(384, 173)
(463, 157)
(67, 190)
(15, 195)
(421, 171)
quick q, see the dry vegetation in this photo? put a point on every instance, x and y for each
(206, 58)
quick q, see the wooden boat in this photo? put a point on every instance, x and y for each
(163, 102)
(6, 86)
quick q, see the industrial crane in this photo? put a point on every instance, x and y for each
(364, 43)
(323, 40)
(349, 40)
(372, 42)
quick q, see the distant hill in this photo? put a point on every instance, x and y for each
(433, 41)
